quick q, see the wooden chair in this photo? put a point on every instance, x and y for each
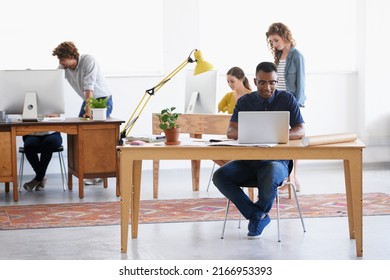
(286, 182)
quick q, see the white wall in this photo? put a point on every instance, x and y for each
(344, 43)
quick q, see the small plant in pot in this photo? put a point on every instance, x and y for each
(98, 107)
(168, 124)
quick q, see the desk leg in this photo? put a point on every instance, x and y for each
(135, 197)
(81, 185)
(156, 171)
(195, 168)
(355, 197)
(347, 177)
(125, 181)
(70, 182)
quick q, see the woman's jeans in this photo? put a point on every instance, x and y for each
(267, 175)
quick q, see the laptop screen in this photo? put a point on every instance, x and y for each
(263, 127)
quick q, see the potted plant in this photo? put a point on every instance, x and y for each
(98, 107)
(168, 124)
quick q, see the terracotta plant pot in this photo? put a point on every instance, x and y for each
(172, 136)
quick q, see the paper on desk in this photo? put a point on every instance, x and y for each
(53, 119)
(236, 144)
(328, 139)
(187, 141)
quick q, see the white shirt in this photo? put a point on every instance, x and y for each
(281, 79)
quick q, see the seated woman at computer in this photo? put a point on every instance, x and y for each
(239, 84)
(39, 148)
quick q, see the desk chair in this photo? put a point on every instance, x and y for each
(286, 182)
(62, 166)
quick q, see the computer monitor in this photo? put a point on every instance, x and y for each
(48, 86)
(201, 92)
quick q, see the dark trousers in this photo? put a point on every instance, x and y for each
(45, 145)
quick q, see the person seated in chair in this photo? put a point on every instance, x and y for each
(45, 144)
(239, 84)
(267, 175)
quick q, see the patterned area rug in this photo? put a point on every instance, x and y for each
(171, 211)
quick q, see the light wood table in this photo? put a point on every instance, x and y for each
(91, 149)
(131, 157)
(196, 125)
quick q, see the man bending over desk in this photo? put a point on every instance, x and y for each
(267, 175)
(86, 77)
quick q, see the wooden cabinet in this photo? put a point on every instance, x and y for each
(7, 157)
(92, 152)
(91, 149)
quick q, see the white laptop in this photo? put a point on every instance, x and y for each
(263, 127)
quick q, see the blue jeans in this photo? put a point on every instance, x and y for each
(110, 105)
(45, 145)
(267, 175)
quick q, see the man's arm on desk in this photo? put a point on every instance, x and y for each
(297, 132)
(232, 131)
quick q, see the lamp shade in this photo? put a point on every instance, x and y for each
(201, 65)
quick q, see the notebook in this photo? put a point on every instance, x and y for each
(263, 127)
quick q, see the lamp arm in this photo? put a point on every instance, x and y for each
(145, 99)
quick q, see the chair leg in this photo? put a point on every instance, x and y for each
(211, 176)
(278, 213)
(224, 222)
(299, 208)
(63, 171)
(21, 171)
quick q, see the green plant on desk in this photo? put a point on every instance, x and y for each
(168, 118)
(168, 123)
(96, 103)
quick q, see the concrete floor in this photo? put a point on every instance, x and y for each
(325, 239)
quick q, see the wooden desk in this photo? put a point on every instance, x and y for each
(91, 149)
(195, 125)
(130, 158)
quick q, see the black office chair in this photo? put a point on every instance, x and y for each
(284, 183)
(62, 166)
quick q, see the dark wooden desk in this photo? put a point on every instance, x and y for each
(91, 149)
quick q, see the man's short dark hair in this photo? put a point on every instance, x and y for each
(266, 67)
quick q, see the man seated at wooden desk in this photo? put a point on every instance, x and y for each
(267, 175)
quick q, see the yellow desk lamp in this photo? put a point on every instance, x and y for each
(201, 67)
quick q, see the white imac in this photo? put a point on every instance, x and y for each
(201, 93)
(19, 87)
